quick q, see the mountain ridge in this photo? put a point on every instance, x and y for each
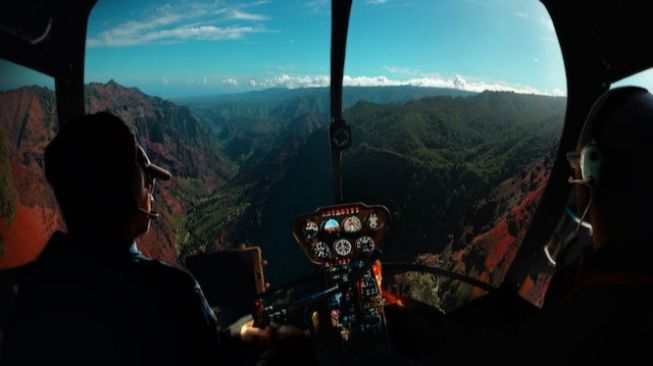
(432, 161)
(443, 156)
(172, 136)
(290, 103)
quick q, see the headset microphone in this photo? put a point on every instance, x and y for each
(153, 215)
(579, 181)
(589, 163)
(590, 160)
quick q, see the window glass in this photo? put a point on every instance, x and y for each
(455, 109)
(460, 145)
(28, 121)
(643, 79)
(224, 94)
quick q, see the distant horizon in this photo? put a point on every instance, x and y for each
(15, 76)
(235, 93)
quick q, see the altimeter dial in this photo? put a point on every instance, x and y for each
(365, 244)
(342, 247)
(352, 224)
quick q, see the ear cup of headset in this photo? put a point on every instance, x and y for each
(591, 159)
(591, 156)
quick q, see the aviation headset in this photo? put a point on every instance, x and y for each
(146, 173)
(137, 183)
(590, 159)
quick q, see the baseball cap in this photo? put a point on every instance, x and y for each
(91, 163)
(150, 168)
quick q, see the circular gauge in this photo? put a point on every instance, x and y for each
(352, 224)
(342, 247)
(310, 229)
(321, 250)
(332, 226)
(365, 244)
(373, 222)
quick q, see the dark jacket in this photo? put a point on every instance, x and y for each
(599, 310)
(78, 307)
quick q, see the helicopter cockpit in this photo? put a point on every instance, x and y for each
(427, 219)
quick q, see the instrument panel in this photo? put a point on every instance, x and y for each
(341, 233)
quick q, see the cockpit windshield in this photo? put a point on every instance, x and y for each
(455, 108)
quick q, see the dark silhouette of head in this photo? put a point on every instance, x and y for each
(100, 177)
(620, 126)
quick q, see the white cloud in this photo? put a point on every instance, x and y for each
(376, 2)
(520, 14)
(536, 60)
(479, 85)
(167, 36)
(203, 81)
(294, 82)
(459, 82)
(169, 24)
(369, 81)
(230, 82)
(557, 92)
(318, 6)
(165, 82)
(242, 15)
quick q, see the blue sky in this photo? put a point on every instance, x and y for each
(194, 47)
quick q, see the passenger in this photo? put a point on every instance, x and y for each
(602, 304)
(91, 298)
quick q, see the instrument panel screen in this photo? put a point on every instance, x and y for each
(341, 233)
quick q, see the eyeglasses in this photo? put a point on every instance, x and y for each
(149, 183)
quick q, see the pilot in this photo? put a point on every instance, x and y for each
(91, 298)
(602, 302)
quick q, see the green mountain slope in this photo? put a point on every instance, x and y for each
(291, 103)
(250, 123)
(172, 135)
(428, 160)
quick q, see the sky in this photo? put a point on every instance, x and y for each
(191, 47)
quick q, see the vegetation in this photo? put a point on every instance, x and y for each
(205, 223)
(427, 160)
(250, 124)
(288, 104)
(256, 161)
(419, 286)
(7, 192)
(189, 189)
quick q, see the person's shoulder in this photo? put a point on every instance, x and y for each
(163, 272)
(178, 286)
